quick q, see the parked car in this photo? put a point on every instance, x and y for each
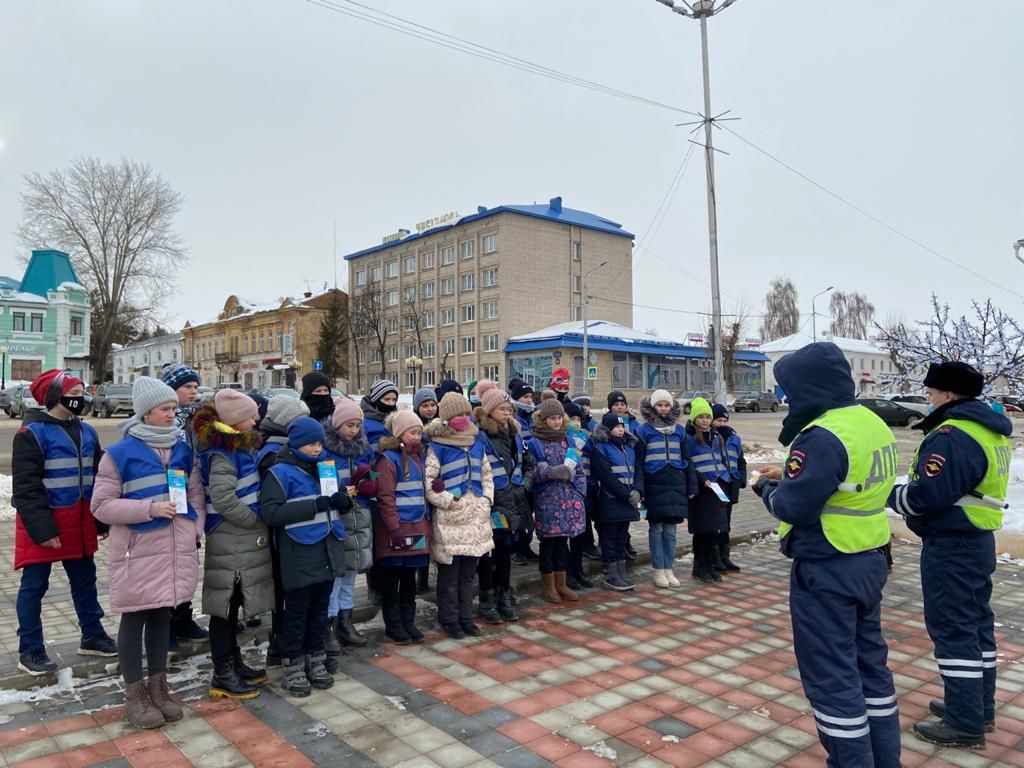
(889, 412)
(229, 385)
(755, 401)
(22, 402)
(685, 398)
(917, 403)
(1010, 403)
(269, 392)
(5, 398)
(205, 393)
(111, 399)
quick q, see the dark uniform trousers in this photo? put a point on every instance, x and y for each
(835, 606)
(956, 578)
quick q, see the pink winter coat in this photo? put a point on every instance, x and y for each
(148, 569)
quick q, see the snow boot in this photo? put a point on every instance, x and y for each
(295, 682)
(160, 696)
(613, 579)
(247, 673)
(407, 612)
(660, 580)
(226, 682)
(547, 588)
(723, 553)
(562, 589)
(506, 604)
(316, 673)
(393, 629)
(138, 709)
(488, 608)
(331, 645)
(346, 631)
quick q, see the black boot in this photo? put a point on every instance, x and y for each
(393, 629)
(331, 645)
(942, 733)
(184, 626)
(247, 673)
(630, 552)
(423, 580)
(226, 682)
(723, 552)
(938, 708)
(316, 672)
(714, 553)
(488, 608)
(506, 604)
(575, 577)
(273, 653)
(347, 633)
(407, 612)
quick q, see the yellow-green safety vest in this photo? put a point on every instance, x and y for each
(998, 453)
(855, 520)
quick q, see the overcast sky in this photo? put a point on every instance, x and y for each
(276, 117)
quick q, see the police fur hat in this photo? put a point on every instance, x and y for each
(956, 377)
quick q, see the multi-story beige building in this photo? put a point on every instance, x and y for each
(442, 303)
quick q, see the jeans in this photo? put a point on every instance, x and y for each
(35, 580)
(455, 586)
(305, 620)
(155, 624)
(613, 538)
(554, 554)
(662, 539)
(341, 594)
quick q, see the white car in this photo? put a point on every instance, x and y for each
(917, 403)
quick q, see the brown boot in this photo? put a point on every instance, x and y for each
(547, 587)
(138, 710)
(563, 591)
(162, 699)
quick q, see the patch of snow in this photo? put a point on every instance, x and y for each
(602, 750)
(396, 701)
(6, 489)
(670, 739)
(760, 455)
(761, 712)
(317, 730)
(72, 286)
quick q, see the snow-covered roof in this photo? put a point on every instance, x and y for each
(170, 338)
(800, 340)
(595, 328)
(21, 297)
(68, 285)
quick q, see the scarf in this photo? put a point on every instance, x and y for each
(544, 432)
(462, 439)
(154, 437)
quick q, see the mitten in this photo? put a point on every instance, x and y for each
(560, 472)
(634, 498)
(437, 485)
(323, 503)
(340, 501)
(367, 488)
(397, 539)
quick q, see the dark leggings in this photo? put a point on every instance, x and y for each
(614, 537)
(156, 622)
(397, 584)
(495, 567)
(223, 641)
(554, 554)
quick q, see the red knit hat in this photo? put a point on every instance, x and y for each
(50, 386)
(560, 380)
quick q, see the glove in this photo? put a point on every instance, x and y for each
(437, 485)
(397, 539)
(634, 498)
(323, 503)
(367, 488)
(561, 472)
(340, 501)
(762, 483)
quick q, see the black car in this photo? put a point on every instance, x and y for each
(889, 412)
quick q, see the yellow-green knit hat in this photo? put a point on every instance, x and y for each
(699, 407)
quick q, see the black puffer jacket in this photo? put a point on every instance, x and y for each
(707, 511)
(513, 501)
(613, 500)
(667, 491)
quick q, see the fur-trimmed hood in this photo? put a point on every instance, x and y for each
(603, 435)
(661, 423)
(490, 426)
(338, 445)
(210, 432)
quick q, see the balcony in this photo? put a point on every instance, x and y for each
(225, 358)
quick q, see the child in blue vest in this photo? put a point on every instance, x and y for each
(310, 541)
(522, 400)
(738, 473)
(707, 520)
(460, 486)
(401, 527)
(669, 480)
(616, 461)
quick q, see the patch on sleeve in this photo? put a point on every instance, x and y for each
(795, 464)
(933, 465)
(945, 429)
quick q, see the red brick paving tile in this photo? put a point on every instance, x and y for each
(912, 670)
(697, 717)
(806, 724)
(712, 687)
(49, 761)
(626, 656)
(527, 706)
(733, 733)
(1013, 758)
(682, 676)
(16, 736)
(679, 756)
(157, 757)
(631, 673)
(612, 723)
(470, 703)
(581, 688)
(936, 763)
(706, 744)
(524, 731)
(664, 703)
(107, 716)
(781, 682)
(743, 699)
(640, 713)
(552, 747)
(532, 667)
(583, 759)
(803, 760)
(555, 697)
(207, 707)
(274, 754)
(92, 754)
(601, 646)
(751, 671)
(1004, 738)
(1009, 724)
(605, 679)
(779, 714)
(643, 739)
(70, 724)
(137, 742)
(911, 759)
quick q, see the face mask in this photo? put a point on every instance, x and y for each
(74, 404)
(474, 400)
(525, 407)
(459, 423)
(320, 406)
(385, 408)
(931, 408)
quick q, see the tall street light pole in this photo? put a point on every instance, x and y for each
(702, 10)
(814, 315)
(586, 333)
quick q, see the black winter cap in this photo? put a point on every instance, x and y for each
(956, 377)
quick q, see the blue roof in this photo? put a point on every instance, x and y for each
(46, 270)
(553, 211)
(9, 283)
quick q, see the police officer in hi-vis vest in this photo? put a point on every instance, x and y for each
(830, 497)
(954, 501)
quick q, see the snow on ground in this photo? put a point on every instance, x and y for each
(6, 510)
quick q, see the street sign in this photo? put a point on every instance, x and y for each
(318, 365)
(592, 373)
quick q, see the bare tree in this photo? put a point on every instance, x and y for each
(414, 324)
(733, 341)
(852, 315)
(781, 314)
(116, 222)
(368, 328)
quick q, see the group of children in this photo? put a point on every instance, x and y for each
(293, 497)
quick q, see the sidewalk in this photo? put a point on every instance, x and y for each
(700, 675)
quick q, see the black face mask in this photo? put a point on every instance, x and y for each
(384, 407)
(320, 406)
(74, 404)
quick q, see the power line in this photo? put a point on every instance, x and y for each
(869, 215)
(445, 40)
(673, 309)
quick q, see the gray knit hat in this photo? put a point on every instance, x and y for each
(381, 388)
(148, 393)
(284, 409)
(422, 396)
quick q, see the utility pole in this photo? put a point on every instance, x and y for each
(1016, 249)
(814, 314)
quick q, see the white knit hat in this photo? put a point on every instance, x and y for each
(661, 396)
(148, 393)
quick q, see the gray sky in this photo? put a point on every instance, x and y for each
(274, 118)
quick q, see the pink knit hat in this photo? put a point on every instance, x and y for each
(234, 407)
(492, 398)
(402, 421)
(483, 387)
(345, 409)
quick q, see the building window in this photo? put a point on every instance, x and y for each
(429, 378)
(577, 313)
(409, 265)
(391, 298)
(360, 356)
(467, 281)
(393, 353)
(448, 346)
(448, 316)
(427, 260)
(246, 345)
(37, 323)
(468, 373)
(490, 309)
(391, 269)
(410, 322)
(76, 326)
(429, 349)
(447, 286)
(467, 249)
(491, 372)
(447, 255)
(410, 350)
(361, 277)
(490, 277)
(375, 357)
(491, 342)
(18, 318)
(490, 243)
(467, 313)
(872, 364)
(375, 274)
(427, 290)
(410, 379)
(577, 284)
(26, 370)
(392, 325)
(468, 345)
(409, 293)
(577, 250)
(427, 319)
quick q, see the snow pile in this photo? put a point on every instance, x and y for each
(1013, 520)
(6, 510)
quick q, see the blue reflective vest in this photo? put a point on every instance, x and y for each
(733, 449)
(375, 430)
(299, 485)
(662, 449)
(247, 488)
(144, 476)
(501, 477)
(461, 468)
(710, 460)
(525, 425)
(272, 445)
(622, 459)
(410, 499)
(67, 473)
